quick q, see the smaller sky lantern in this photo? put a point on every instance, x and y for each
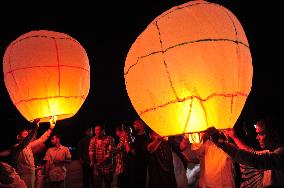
(46, 74)
(190, 69)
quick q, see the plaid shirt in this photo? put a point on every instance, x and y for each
(101, 148)
(120, 157)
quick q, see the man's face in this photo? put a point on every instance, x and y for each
(54, 140)
(137, 125)
(98, 131)
(118, 133)
(22, 135)
(89, 132)
(262, 137)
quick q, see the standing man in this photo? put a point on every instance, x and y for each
(22, 154)
(121, 158)
(161, 167)
(139, 156)
(101, 157)
(56, 157)
(83, 151)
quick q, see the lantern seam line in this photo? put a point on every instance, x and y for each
(58, 65)
(43, 98)
(181, 44)
(188, 116)
(237, 54)
(44, 36)
(48, 66)
(13, 76)
(165, 64)
(203, 131)
(191, 97)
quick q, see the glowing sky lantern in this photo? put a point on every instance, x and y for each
(190, 69)
(46, 74)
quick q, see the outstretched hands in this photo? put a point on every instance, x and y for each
(215, 135)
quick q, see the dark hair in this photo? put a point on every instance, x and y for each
(100, 125)
(121, 127)
(56, 134)
(22, 129)
(273, 126)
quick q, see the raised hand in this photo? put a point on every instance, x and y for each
(36, 121)
(52, 121)
(213, 133)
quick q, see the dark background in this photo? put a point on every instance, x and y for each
(107, 30)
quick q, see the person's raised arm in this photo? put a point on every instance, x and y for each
(240, 144)
(46, 135)
(32, 134)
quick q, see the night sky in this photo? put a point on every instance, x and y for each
(107, 30)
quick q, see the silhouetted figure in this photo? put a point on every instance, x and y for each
(161, 167)
(84, 158)
(139, 156)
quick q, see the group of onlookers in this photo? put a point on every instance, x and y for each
(138, 157)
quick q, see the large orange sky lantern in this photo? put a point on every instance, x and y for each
(46, 74)
(190, 69)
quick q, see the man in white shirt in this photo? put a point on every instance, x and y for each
(56, 157)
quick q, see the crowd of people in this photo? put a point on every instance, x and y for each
(136, 156)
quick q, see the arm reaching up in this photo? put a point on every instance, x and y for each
(47, 133)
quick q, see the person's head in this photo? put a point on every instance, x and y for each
(139, 126)
(22, 134)
(99, 130)
(89, 131)
(269, 132)
(118, 132)
(55, 139)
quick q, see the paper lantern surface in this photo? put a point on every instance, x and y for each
(190, 69)
(46, 73)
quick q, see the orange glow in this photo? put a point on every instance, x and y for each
(46, 74)
(190, 69)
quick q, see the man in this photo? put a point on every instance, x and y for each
(22, 152)
(270, 134)
(161, 167)
(139, 156)
(56, 157)
(83, 152)
(121, 158)
(101, 157)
